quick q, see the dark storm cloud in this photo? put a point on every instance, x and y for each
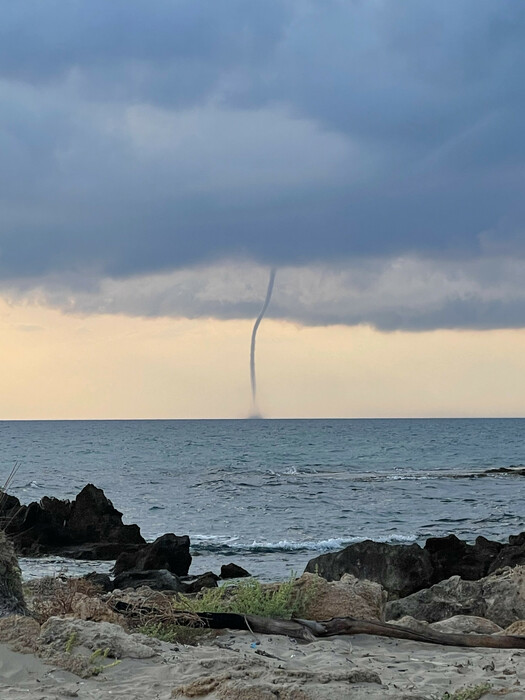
(142, 137)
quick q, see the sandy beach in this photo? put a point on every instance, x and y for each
(234, 666)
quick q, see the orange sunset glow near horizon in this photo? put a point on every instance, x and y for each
(71, 366)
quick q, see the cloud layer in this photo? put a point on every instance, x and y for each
(401, 293)
(139, 139)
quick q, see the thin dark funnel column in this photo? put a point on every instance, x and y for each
(254, 338)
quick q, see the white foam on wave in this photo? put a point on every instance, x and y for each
(213, 538)
(328, 545)
(29, 485)
(291, 471)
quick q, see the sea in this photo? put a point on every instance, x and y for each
(270, 495)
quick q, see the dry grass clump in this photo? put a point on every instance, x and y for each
(50, 596)
(176, 619)
(159, 615)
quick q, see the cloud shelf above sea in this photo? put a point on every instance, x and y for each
(404, 293)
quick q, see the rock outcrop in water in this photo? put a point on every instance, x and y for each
(89, 527)
(406, 569)
(168, 552)
(232, 570)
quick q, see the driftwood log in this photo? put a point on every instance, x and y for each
(309, 630)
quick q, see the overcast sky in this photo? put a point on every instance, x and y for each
(158, 157)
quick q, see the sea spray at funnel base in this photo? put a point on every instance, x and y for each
(255, 410)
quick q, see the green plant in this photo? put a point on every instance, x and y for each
(70, 643)
(249, 597)
(101, 653)
(173, 632)
(473, 692)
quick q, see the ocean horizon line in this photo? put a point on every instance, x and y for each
(255, 419)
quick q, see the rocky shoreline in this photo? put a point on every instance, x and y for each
(90, 528)
(446, 586)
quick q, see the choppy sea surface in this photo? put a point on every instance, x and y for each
(271, 494)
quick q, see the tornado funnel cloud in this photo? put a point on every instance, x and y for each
(253, 376)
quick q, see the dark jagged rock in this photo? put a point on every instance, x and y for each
(164, 580)
(451, 556)
(157, 580)
(93, 518)
(167, 552)
(510, 555)
(207, 580)
(60, 509)
(233, 571)
(52, 526)
(517, 540)
(403, 569)
(400, 569)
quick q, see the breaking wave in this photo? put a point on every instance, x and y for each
(231, 546)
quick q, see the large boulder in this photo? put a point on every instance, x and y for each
(349, 597)
(405, 569)
(459, 624)
(499, 597)
(169, 552)
(11, 593)
(57, 634)
(400, 569)
(466, 624)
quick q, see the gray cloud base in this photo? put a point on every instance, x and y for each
(397, 294)
(140, 139)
